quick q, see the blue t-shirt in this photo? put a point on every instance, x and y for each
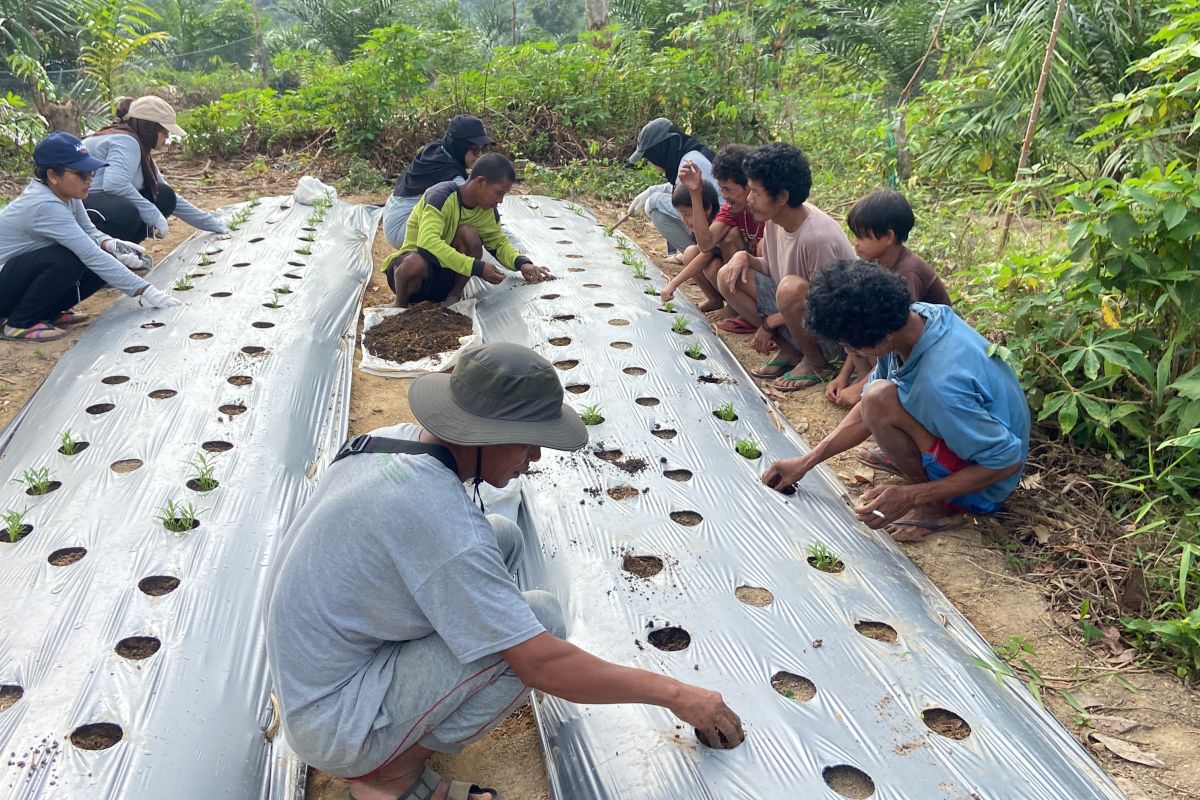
(960, 394)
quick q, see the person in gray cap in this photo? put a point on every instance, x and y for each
(395, 628)
(668, 149)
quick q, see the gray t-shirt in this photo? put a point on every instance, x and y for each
(388, 549)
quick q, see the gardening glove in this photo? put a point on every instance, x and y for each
(153, 297)
(642, 201)
(158, 229)
(213, 224)
(131, 255)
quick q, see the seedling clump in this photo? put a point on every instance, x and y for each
(650, 290)
(668, 307)
(747, 448)
(694, 350)
(306, 250)
(820, 557)
(639, 271)
(183, 283)
(14, 527)
(205, 261)
(204, 478)
(177, 518)
(591, 415)
(240, 218)
(725, 411)
(37, 481)
(680, 325)
(275, 293)
(67, 443)
(283, 289)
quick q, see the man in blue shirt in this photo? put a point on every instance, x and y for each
(945, 414)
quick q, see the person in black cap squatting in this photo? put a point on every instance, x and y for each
(448, 159)
(52, 256)
(395, 627)
(447, 233)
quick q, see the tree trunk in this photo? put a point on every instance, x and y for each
(264, 63)
(1027, 144)
(514, 22)
(597, 14)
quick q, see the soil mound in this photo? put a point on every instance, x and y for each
(426, 329)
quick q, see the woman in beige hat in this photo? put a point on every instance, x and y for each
(130, 199)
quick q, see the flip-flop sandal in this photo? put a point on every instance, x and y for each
(772, 369)
(427, 784)
(735, 325)
(795, 383)
(40, 332)
(927, 525)
(875, 458)
(69, 318)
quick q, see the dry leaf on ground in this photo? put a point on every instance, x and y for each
(1126, 750)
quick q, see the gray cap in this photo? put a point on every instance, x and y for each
(653, 132)
(498, 393)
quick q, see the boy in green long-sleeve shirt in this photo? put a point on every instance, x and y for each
(447, 232)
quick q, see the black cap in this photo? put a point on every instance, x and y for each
(464, 126)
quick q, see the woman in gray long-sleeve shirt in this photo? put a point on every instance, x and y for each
(130, 198)
(51, 256)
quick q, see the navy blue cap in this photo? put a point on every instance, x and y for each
(464, 126)
(61, 149)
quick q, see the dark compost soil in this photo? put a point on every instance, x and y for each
(426, 329)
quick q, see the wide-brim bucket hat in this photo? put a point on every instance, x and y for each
(498, 393)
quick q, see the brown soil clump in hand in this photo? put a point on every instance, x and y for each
(424, 330)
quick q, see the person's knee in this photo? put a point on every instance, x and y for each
(548, 612)
(509, 537)
(726, 278)
(690, 252)
(412, 267)
(792, 291)
(880, 402)
(467, 240)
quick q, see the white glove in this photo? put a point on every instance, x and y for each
(159, 229)
(214, 225)
(128, 253)
(639, 202)
(153, 297)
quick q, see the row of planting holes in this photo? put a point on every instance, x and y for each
(845, 779)
(102, 735)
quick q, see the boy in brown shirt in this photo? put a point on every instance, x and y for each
(881, 222)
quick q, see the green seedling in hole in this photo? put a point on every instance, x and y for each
(239, 218)
(177, 518)
(747, 448)
(823, 559)
(205, 472)
(639, 271)
(275, 299)
(183, 283)
(306, 250)
(668, 307)
(314, 220)
(650, 290)
(67, 443)
(591, 415)
(205, 261)
(283, 289)
(254, 201)
(308, 236)
(13, 524)
(725, 411)
(694, 350)
(680, 325)
(37, 481)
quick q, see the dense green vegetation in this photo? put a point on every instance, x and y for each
(1093, 299)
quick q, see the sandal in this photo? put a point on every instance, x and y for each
(41, 332)
(735, 325)
(772, 369)
(788, 382)
(874, 457)
(427, 784)
(69, 317)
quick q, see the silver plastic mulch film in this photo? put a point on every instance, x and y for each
(118, 633)
(878, 690)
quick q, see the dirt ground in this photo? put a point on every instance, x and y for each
(1150, 710)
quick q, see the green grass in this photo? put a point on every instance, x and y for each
(680, 325)
(591, 415)
(725, 411)
(204, 472)
(694, 350)
(67, 443)
(177, 517)
(13, 524)
(747, 448)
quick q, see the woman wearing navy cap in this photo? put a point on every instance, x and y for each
(51, 256)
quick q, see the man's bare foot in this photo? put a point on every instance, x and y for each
(922, 521)
(709, 306)
(716, 315)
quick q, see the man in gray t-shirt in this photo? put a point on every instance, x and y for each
(395, 628)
